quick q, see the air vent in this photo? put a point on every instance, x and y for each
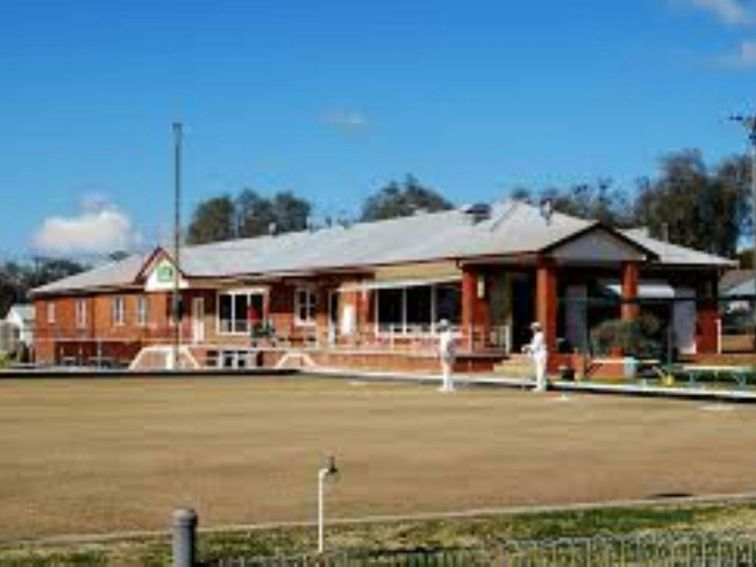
(477, 212)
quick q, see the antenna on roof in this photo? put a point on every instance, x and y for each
(547, 209)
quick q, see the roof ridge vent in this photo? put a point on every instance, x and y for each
(477, 212)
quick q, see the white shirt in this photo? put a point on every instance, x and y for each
(537, 344)
(446, 344)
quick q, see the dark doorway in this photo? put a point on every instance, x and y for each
(523, 309)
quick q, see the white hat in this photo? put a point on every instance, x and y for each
(535, 325)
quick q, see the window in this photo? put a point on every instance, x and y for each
(239, 309)
(417, 309)
(448, 299)
(118, 311)
(143, 311)
(305, 306)
(51, 312)
(81, 313)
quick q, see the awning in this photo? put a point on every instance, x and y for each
(649, 289)
(398, 284)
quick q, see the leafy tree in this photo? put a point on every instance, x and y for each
(213, 220)
(403, 199)
(254, 214)
(290, 212)
(697, 207)
(18, 278)
(246, 216)
(597, 201)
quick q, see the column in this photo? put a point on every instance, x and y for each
(546, 302)
(475, 314)
(630, 308)
(707, 318)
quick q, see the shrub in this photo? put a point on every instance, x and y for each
(641, 338)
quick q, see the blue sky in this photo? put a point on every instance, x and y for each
(334, 98)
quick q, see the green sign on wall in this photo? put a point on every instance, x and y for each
(165, 272)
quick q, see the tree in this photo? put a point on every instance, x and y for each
(401, 200)
(213, 220)
(18, 278)
(247, 216)
(596, 201)
(290, 212)
(254, 214)
(697, 207)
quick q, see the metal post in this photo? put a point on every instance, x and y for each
(184, 524)
(749, 123)
(328, 472)
(177, 133)
(322, 473)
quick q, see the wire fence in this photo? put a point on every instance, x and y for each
(681, 549)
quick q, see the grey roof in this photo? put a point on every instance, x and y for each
(674, 254)
(513, 227)
(115, 273)
(734, 278)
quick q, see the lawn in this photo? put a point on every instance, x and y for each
(93, 456)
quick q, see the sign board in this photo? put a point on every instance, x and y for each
(161, 277)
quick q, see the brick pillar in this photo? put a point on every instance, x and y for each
(707, 327)
(546, 303)
(630, 308)
(475, 313)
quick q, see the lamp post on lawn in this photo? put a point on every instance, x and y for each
(749, 123)
(328, 472)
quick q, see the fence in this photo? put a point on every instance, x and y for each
(678, 549)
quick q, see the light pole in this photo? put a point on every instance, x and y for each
(749, 123)
(176, 304)
(328, 472)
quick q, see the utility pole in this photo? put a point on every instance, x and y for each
(176, 303)
(749, 123)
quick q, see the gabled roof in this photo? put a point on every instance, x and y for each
(511, 228)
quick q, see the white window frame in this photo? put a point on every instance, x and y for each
(81, 313)
(118, 311)
(51, 312)
(310, 305)
(232, 293)
(143, 311)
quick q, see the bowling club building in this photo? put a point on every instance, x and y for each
(370, 295)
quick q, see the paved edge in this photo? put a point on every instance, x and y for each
(126, 536)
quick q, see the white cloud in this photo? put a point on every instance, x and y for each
(99, 227)
(744, 58)
(731, 12)
(345, 119)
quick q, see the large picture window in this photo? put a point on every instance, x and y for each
(238, 310)
(417, 309)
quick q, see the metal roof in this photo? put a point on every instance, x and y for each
(513, 227)
(112, 274)
(674, 254)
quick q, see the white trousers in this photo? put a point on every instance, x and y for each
(539, 359)
(446, 370)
